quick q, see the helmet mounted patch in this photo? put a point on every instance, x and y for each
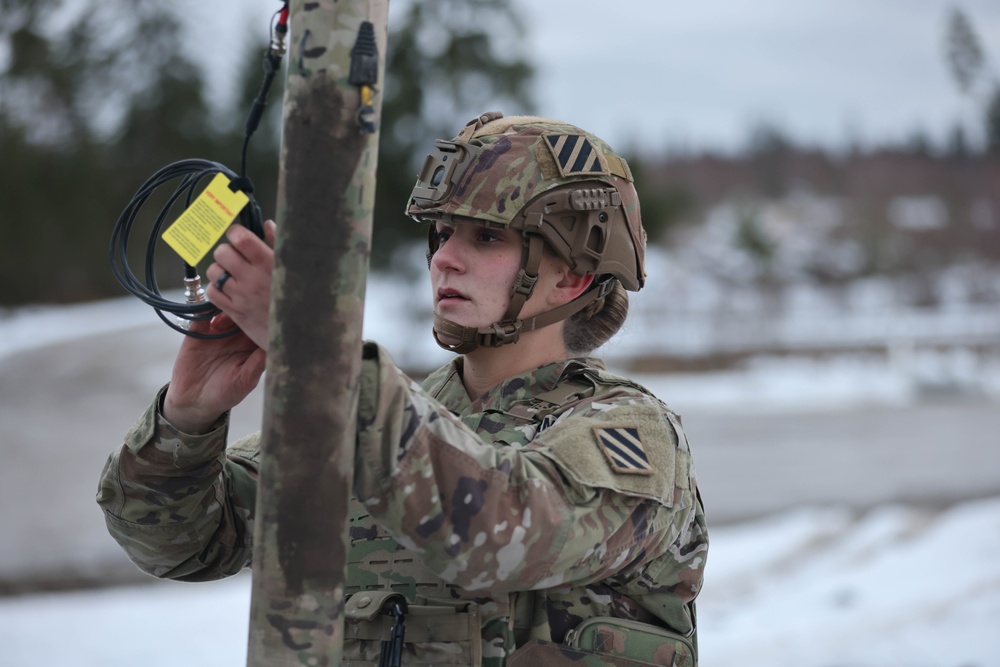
(575, 156)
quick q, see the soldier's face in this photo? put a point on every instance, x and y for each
(472, 272)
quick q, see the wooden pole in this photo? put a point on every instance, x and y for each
(326, 194)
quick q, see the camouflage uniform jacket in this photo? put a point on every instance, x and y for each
(561, 494)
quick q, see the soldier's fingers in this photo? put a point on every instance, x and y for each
(214, 272)
(218, 278)
(230, 259)
(222, 322)
(253, 249)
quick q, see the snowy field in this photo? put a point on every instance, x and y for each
(868, 582)
(807, 588)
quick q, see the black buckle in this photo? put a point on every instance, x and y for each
(391, 654)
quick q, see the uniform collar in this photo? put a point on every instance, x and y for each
(446, 386)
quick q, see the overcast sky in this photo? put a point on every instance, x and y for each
(660, 73)
(703, 73)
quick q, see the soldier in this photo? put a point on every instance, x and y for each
(521, 504)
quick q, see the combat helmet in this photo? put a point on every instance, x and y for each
(555, 183)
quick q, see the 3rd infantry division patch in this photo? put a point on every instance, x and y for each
(575, 155)
(623, 448)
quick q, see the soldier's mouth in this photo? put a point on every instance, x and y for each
(451, 295)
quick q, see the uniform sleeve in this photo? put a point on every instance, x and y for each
(180, 505)
(501, 519)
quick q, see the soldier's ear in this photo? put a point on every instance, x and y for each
(569, 286)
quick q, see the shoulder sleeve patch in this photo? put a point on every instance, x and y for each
(631, 449)
(622, 446)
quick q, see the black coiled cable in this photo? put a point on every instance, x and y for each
(190, 173)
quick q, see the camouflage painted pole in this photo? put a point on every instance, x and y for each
(326, 195)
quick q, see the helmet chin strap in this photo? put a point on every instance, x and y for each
(509, 329)
(503, 333)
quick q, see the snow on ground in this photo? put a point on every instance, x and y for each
(821, 587)
(32, 327)
(806, 588)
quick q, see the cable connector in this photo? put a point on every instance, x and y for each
(364, 74)
(194, 294)
(279, 34)
(193, 291)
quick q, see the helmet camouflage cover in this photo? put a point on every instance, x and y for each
(497, 167)
(557, 184)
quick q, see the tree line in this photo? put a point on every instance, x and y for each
(97, 95)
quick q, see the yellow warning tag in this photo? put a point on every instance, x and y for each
(198, 228)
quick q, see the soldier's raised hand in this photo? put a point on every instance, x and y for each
(211, 377)
(240, 279)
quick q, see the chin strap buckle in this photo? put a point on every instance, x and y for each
(504, 333)
(524, 284)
